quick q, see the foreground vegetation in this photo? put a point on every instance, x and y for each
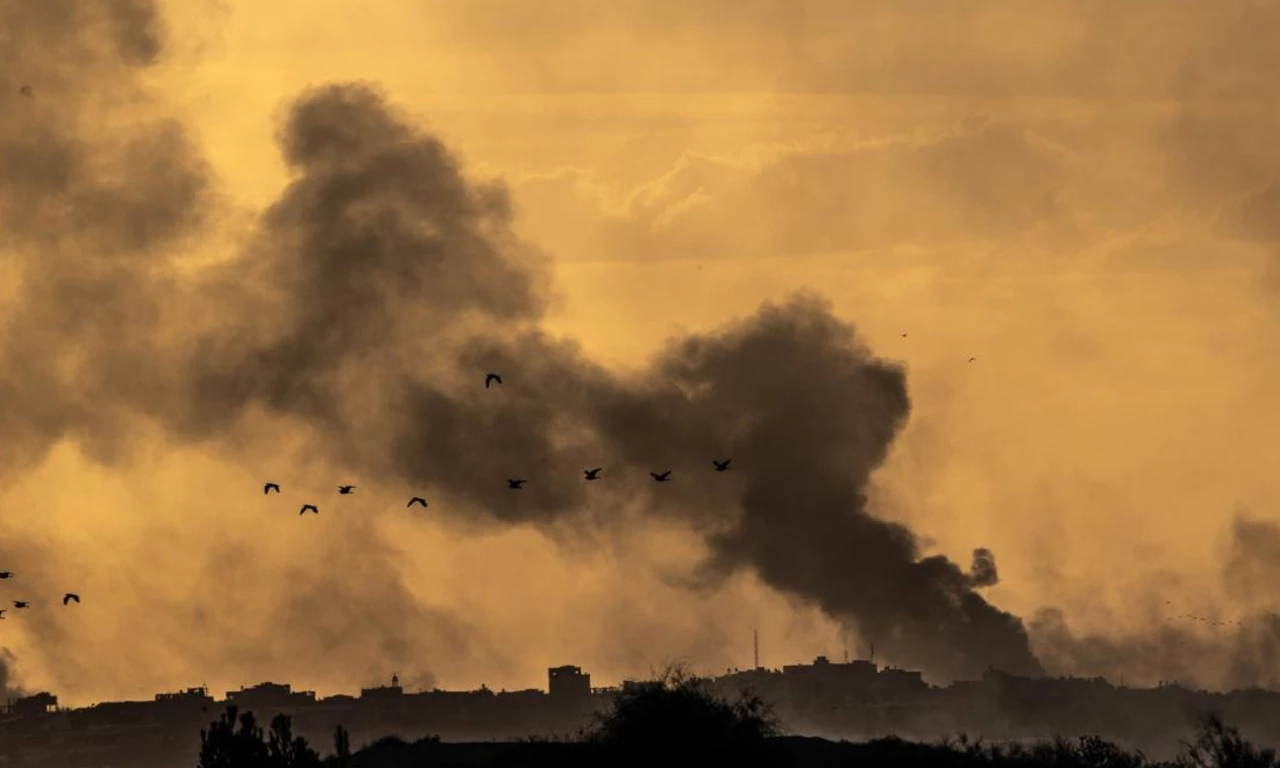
(677, 720)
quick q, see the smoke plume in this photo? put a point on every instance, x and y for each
(1191, 642)
(365, 310)
(392, 285)
(982, 573)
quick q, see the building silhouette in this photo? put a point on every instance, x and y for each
(568, 684)
(852, 699)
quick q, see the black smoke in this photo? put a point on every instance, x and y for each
(982, 572)
(387, 285)
(368, 304)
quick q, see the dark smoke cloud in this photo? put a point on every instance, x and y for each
(1252, 567)
(93, 220)
(368, 305)
(983, 573)
(8, 689)
(808, 414)
(393, 285)
(89, 219)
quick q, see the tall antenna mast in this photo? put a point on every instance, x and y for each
(755, 645)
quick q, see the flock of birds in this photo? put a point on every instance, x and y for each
(20, 604)
(513, 483)
(1207, 621)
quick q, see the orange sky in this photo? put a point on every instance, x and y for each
(1082, 195)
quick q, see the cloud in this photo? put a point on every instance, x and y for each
(984, 180)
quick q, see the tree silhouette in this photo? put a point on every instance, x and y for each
(677, 718)
(341, 748)
(1218, 745)
(222, 746)
(288, 751)
(225, 746)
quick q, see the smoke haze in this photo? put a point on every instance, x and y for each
(187, 316)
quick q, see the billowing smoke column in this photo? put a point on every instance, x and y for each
(391, 285)
(369, 303)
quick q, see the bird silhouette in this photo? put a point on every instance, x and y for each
(514, 484)
(972, 359)
(904, 335)
(269, 487)
(419, 500)
(661, 478)
(490, 378)
(6, 575)
(721, 465)
(69, 597)
(20, 603)
(311, 507)
(346, 489)
(25, 91)
(592, 474)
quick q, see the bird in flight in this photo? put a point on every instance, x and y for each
(721, 465)
(661, 478)
(972, 359)
(904, 335)
(6, 575)
(311, 507)
(346, 488)
(419, 500)
(25, 91)
(69, 597)
(20, 603)
(490, 378)
(592, 474)
(269, 487)
(514, 484)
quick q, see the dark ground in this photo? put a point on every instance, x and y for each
(678, 721)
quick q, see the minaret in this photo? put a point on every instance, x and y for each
(755, 645)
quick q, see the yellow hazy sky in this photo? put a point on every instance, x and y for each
(1082, 195)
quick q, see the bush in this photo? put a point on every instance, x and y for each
(225, 746)
(678, 718)
(1218, 745)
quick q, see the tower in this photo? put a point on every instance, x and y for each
(755, 647)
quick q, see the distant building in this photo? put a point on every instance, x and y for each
(270, 697)
(568, 683)
(36, 705)
(191, 695)
(850, 699)
(383, 691)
